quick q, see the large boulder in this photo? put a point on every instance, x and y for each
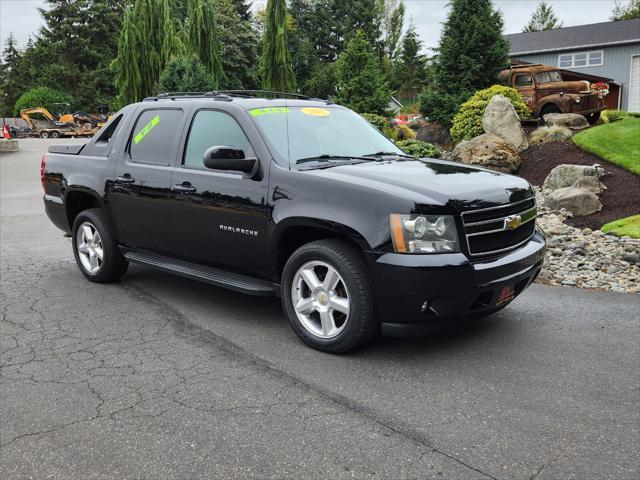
(574, 121)
(591, 183)
(500, 119)
(578, 201)
(566, 175)
(435, 134)
(488, 151)
(417, 123)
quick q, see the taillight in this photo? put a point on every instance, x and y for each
(43, 165)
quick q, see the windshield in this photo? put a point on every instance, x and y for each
(303, 133)
(546, 77)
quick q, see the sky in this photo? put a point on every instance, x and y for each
(23, 19)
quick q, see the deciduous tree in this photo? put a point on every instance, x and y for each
(629, 12)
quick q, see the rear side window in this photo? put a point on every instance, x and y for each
(213, 129)
(154, 136)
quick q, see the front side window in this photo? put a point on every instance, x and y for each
(299, 133)
(523, 81)
(212, 128)
(154, 136)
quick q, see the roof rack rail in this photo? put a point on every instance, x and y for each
(234, 93)
(253, 93)
(211, 93)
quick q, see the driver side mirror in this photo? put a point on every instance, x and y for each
(230, 159)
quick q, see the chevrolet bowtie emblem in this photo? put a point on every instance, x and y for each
(512, 222)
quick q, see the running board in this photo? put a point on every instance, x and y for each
(220, 278)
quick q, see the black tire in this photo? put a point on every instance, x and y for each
(360, 326)
(113, 265)
(593, 118)
(549, 108)
(55, 134)
(44, 134)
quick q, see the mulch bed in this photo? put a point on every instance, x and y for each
(621, 199)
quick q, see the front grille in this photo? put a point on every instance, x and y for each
(498, 229)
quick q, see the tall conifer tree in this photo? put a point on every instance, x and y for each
(542, 19)
(275, 64)
(203, 37)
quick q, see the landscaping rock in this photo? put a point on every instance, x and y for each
(417, 123)
(574, 121)
(500, 119)
(578, 201)
(435, 134)
(566, 175)
(600, 261)
(9, 145)
(488, 151)
(590, 183)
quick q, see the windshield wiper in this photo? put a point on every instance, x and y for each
(388, 154)
(332, 158)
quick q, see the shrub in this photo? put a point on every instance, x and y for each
(404, 133)
(610, 116)
(376, 120)
(40, 97)
(419, 149)
(554, 133)
(467, 123)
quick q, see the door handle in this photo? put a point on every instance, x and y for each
(184, 188)
(126, 178)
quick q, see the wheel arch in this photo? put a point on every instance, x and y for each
(78, 200)
(292, 233)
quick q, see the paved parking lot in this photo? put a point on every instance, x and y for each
(162, 377)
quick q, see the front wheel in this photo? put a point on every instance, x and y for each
(593, 118)
(95, 249)
(327, 298)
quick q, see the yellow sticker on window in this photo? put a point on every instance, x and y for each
(256, 112)
(316, 112)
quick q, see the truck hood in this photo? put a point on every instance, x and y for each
(434, 182)
(576, 86)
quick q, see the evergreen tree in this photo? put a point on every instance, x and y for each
(203, 37)
(472, 51)
(412, 65)
(243, 8)
(542, 19)
(147, 41)
(11, 79)
(185, 74)
(275, 63)
(631, 11)
(394, 22)
(361, 82)
(239, 44)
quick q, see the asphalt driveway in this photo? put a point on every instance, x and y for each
(162, 377)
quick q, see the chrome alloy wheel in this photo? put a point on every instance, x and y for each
(320, 299)
(89, 246)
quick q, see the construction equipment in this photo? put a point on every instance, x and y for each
(83, 119)
(55, 128)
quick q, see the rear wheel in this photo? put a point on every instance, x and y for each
(44, 134)
(95, 249)
(327, 297)
(55, 134)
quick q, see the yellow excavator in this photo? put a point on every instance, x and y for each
(55, 128)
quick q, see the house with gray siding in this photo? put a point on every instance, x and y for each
(609, 49)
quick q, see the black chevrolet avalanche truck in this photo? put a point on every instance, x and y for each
(298, 198)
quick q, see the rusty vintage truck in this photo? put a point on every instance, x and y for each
(545, 91)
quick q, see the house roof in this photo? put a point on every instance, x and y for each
(572, 38)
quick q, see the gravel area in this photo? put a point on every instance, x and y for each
(586, 258)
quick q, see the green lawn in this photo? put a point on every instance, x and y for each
(617, 142)
(625, 226)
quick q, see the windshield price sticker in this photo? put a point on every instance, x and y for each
(146, 129)
(256, 112)
(316, 112)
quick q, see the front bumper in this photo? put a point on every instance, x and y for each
(413, 291)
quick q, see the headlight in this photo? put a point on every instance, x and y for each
(424, 233)
(577, 99)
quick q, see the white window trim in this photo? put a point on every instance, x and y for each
(573, 59)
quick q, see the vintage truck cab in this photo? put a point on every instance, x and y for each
(545, 91)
